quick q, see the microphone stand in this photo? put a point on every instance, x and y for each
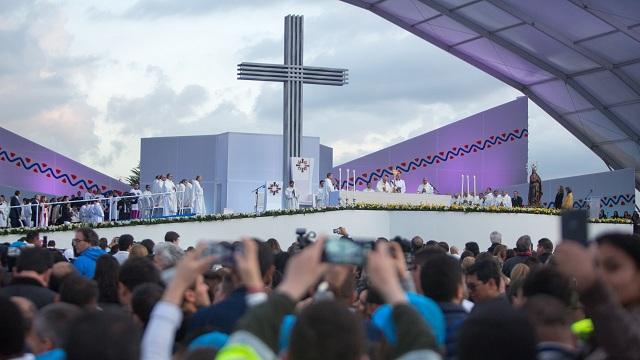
(257, 191)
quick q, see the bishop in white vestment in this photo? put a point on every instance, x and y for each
(425, 187)
(506, 200)
(181, 195)
(399, 185)
(156, 188)
(188, 195)
(368, 189)
(291, 195)
(170, 202)
(489, 199)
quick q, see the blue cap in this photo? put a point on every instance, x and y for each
(285, 332)
(214, 340)
(428, 309)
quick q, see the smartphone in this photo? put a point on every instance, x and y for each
(574, 226)
(223, 251)
(339, 250)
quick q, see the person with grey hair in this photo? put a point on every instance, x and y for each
(496, 239)
(51, 326)
(166, 255)
(523, 252)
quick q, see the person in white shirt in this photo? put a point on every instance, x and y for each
(291, 195)
(188, 197)
(135, 203)
(156, 188)
(368, 189)
(169, 199)
(125, 242)
(328, 183)
(384, 185)
(506, 200)
(398, 184)
(425, 187)
(321, 195)
(87, 195)
(180, 192)
(26, 213)
(113, 207)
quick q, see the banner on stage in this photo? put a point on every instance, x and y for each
(273, 195)
(302, 174)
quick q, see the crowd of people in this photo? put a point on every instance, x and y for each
(250, 299)
(162, 198)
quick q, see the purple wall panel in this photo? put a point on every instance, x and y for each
(492, 145)
(27, 166)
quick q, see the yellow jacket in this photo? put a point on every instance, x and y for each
(567, 203)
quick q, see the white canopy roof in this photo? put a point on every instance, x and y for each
(579, 60)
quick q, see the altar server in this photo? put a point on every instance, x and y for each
(321, 195)
(425, 187)
(384, 185)
(291, 195)
(398, 184)
(198, 197)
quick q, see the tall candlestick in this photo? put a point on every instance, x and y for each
(468, 191)
(462, 186)
(474, 186)
(340, 179)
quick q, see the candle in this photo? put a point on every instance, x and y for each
(340, 179)
(468, 191)
(474, 186)
(462, 186)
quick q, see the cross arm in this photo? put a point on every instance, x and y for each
(284, 73)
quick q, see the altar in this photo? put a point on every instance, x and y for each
(343, 197)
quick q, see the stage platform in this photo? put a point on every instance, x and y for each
(456, 228)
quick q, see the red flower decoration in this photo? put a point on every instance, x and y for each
(441, 153)
(2, 158)
(504, 134)
(478, 142)
(90, 181)
(44, 165)
(58, 171)
(28, 160)
(64, 181)
(516, 131)
(466, 146)
(73, 176)
(492, 137)
(48, 175)
(103, 187)
(437, 161)
(450, 157)
(81, 187)
(12, 154)
(413, 168)
(35, 171)
(18, 164)
(429, 157)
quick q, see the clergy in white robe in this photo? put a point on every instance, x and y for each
(489, 199)
(113, 207)
(368, 189)
(169, 199)
(87, 195)
(146, 202)
(95, 212)
(384, 185)
(291, 196)
(321, 196)
(498, 198)
(181, 190)
(399, 185)
(188, 196)
(506, 200)
(198, 197)
(425, 187)
(4, 212)
(136, 203)
(156, 188)
(26, 213)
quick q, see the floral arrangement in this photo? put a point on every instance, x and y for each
(271, 213)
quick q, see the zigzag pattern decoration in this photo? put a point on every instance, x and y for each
(440, 157)
(43, 168)
(605, 201)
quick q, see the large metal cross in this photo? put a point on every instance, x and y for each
(293, 74)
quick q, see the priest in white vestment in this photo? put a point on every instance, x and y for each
(398, 184)
(198, 197)
(321, 195)
(181, 191)
(95, 212)
(489, 199)
(156, 188)
(188, 196)
(146, 202)
(135, 205)
(368, 189)
(291, 196)
(170, 201)
(4, 212)
(384, 185)
(506, 200)
(498, 198)
(113, 207)
(425, 187)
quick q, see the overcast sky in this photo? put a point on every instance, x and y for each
(90, 78)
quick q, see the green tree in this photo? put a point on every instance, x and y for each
(134, 178)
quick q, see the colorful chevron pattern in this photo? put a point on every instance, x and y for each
(441, 157)
(605, 201)
(43, 168)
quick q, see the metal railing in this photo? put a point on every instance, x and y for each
(149, 205)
